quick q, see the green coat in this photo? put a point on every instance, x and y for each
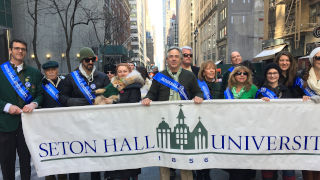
(9, 123)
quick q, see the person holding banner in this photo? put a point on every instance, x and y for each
(272, 88)
(174, 83)
(79, 86)
(129, 94)
(312, 81)
(207, 80)
(240, 84)
(20, 92)
(51, 84)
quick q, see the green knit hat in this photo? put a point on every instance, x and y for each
(85, 53)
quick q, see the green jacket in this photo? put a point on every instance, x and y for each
(160, 92)
(9, 123)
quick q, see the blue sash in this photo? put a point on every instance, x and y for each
(83, 86)
(172, 84)
(205, 89)
(228, 94)
(52, 91)
(266, 93)
(299, 82)
(231, 69)
(16, 83)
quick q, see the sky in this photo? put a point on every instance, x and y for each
(155, 11)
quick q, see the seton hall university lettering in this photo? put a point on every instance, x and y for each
(181, 137)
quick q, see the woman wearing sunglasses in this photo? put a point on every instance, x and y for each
(240, 87)
(272, 88)
(240, 84)
(312, 81)
(207, 80)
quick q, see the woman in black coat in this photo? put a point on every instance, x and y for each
(132, 81)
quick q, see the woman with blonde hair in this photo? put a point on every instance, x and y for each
(207, 80)
(240, 84)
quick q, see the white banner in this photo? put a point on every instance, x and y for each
(244, 134)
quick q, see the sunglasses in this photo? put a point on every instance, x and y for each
(241, 73)
(87, 60)
(187, 55)
(316, 57)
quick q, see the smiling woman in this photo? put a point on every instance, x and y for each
(240, 84)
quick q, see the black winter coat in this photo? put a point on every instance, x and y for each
(281, 91)
(71, 95)
(48, 101)
(131, 93)
(160, 92)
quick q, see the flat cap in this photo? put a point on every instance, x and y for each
(50, 64)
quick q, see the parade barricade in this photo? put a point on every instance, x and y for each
(238, 134)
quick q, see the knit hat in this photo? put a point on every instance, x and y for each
(110, 67)
(85, 53)
(50, 64)
(271, 66)
(312, 54)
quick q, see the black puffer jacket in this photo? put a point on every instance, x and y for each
(71, 95)
(131, 94)
(48, 101)
(281, 91)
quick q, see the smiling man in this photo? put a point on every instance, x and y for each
(172, 84)
(20, 91)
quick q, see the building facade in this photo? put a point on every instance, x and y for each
(186, 23)
(5, 27)
(223, 26)
(138, 31)
(205, 39)
(292, 23)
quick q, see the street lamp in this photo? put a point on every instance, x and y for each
(48, 56)
(63, 55)
(78, 55)
(195, 45)
(33, 56)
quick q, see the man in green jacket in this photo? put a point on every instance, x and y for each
(20, 91)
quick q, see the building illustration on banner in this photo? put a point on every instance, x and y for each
(181, 137)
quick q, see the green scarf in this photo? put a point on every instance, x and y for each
(239, 94)
(174, 96)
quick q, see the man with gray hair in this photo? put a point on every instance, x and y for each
(161, 90)
(187, 60)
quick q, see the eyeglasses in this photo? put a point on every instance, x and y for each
(87, 60)
(272, 74)
(316, 57)
(241, 73)
(18, 49)
(110, 72)
(187, 55)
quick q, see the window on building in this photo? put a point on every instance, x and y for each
(313, 14)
